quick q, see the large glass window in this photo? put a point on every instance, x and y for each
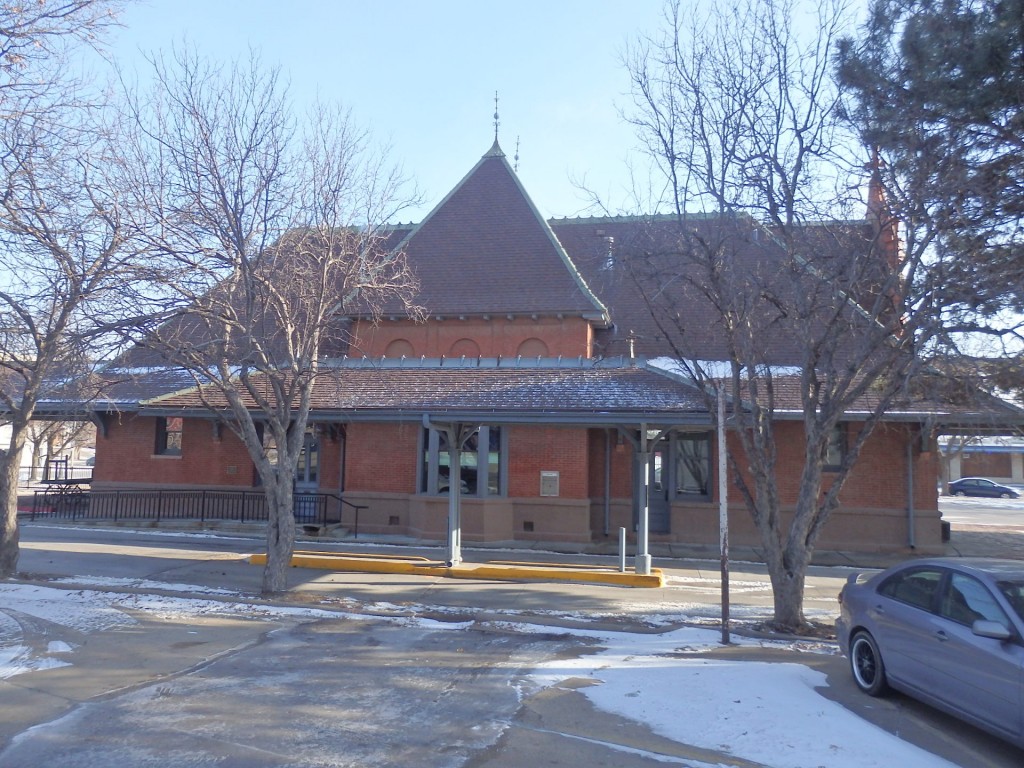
(693, 465)
(168, 436)
(480, 460)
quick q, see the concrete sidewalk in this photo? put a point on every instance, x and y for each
(692, 587)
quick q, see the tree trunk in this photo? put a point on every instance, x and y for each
(787, 576)
(9, 536)
(792, 554)
(280, 536)
(37, 454)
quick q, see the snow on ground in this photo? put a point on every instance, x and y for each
(968, 502)
(122, 584)
(744, 708)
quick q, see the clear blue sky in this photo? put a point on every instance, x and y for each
(422, 76)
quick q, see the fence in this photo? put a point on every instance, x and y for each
(53, 471)
(74, 503)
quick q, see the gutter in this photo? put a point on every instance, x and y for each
(596, 419)
(911, 537)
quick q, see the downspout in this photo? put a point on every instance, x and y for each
(342, 439)
(911, 540)
(341, 475)
(607, 481)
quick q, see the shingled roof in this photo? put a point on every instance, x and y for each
(498, 391)
(485, 249)
(627, 260)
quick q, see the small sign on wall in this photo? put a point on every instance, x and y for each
(548, 483)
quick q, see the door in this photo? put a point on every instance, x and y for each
(980, 676)
(307, 479)
(659, 508)
(903, 614)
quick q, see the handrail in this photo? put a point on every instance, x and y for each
(70, 500)
(356, 507)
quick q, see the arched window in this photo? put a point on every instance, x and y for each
(464, 347)
(533, 347)
(399, 347)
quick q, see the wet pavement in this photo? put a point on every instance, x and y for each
(264, 691)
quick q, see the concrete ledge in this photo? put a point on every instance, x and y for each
(496, 571)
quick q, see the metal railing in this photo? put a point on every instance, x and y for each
(62, 470)
(53, 471)
(321, 509)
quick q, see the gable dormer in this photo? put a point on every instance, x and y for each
(493, 278)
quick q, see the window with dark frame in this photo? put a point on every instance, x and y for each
(480, 470)
(168, 435)
(693, 465)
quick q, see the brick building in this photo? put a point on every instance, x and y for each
(539, 354)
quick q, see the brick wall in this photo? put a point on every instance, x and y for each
(330, 459)
(878, 480)
(621, 485)
(126, 456)
(381, 457)
(381, 465)
(569, 337)
(978, 464)
(535, 449)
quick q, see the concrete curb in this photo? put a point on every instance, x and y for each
(497, 571)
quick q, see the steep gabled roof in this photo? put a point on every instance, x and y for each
(485, 249)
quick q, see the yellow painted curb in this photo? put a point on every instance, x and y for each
(558, 573)
(504, 571)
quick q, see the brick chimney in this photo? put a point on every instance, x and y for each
(883, 223)
(885, 230)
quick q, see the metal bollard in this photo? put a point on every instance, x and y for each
(622, 550)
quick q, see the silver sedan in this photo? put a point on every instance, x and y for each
(947, 631)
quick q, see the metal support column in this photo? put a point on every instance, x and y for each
(457, 435)
(454, 496)
(643, 556)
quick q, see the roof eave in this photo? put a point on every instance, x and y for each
(592, 418)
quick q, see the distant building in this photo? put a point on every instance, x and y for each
(997, 458)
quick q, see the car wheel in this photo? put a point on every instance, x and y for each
(866, 665)
(1005, 495)
(959, 493)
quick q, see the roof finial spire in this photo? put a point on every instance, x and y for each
(496, 122)
(495, 150)
(516, 158)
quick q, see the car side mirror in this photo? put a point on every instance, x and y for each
(993, 629)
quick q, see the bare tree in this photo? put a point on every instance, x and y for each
(61, 241)
(269, 231)
(34, 35)
(66, 262)
(56, 437)
(806, 308)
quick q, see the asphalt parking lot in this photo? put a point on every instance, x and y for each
(248, 691)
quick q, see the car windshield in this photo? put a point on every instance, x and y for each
(1013, 591)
